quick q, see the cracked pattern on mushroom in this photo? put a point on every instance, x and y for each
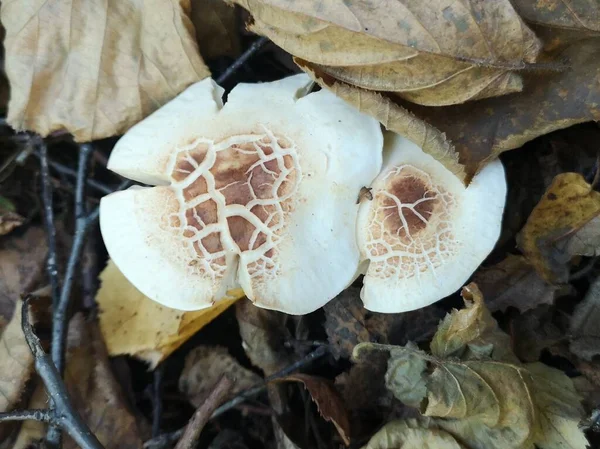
(234, 197)
(410, 226)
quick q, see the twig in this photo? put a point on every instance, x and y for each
(157, 399)
(204, 412)
(63, 413)
(168, 438)
(51, 262)
(244, 57)
(24, 415)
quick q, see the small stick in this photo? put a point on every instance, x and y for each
(157, 381)
(42, 415)
(244, 57)
(204, 412)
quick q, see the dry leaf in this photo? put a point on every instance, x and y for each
(204, 366)
(568, 205)
(16, 361)
(133, 324)
(585, 332)
(484, 402)
(263, 334)
(534, 331)
(404, 47)
(22, 267)
(328, 400)
(216, 28)
(9, 218)
(93, 69)
(513, 282)
(583, 15)
(411, 434)
(586, 241)
(348, 323)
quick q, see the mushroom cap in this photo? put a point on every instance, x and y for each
(258, 193)
(424, 233)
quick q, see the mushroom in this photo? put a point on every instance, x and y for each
(259, 193)
(424, 233)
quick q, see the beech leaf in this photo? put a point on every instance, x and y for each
(95, 70)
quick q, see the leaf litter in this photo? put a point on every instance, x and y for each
(516, 366)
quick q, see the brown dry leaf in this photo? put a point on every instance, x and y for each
(95, 70)
(534, 331)
(586, 242)
(568, 205)
(216, 28)
(263, 335)
(405, 47)
(94, 391)
(133, 324)
(585, 332)
(16, 361)
(484, 402)
(205, 365)
(513, 282)
(582, 15)
(411, 434)
(394, 118)
(550, 100)
(22, 267)
(348, 323)
(328, 400)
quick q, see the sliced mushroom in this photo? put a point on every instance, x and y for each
(258, 193)
(424, 233)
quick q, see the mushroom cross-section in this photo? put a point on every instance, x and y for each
(424, 233)
(259, 193)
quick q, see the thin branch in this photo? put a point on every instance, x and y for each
(244, 57)
(204, 412)
(63, 411)
(51, 262)
(157, 403)
(43, 415)
(168, 438)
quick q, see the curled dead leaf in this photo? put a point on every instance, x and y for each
(133, 324)
(95, 70)
(328, 400)
(568, 205)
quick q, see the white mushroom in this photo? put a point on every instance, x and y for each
(258, 193)
(424, 234)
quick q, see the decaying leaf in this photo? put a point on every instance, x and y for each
(22, 267)
(537, 330)
(16, 361)
(580, 15)
(586, 241)
(133, 324)
(481, 394)
(216, 28)
(411, 434)
(94, 70)
(568, 205)
(204, 366)
(585, 332)
(330, 404)
(403, 47)
(348, 323)
(513, 282)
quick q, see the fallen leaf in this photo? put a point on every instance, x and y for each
(22, 267)
(204, 366)
(16, 361)
(483, 400)
(513, 282)
(348, 323)
(328, 400)
(534, 331)
(9, 218)
(411, 434)
(133, 324)
(585, 333)
(216, 28)
(586, 241)
(263, 335)
(95, 70)
(409, 49)
(581, 15)
(568, 205)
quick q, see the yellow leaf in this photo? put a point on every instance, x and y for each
(93, 68)
(411, 434)
(568, 205)
(133, 324)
